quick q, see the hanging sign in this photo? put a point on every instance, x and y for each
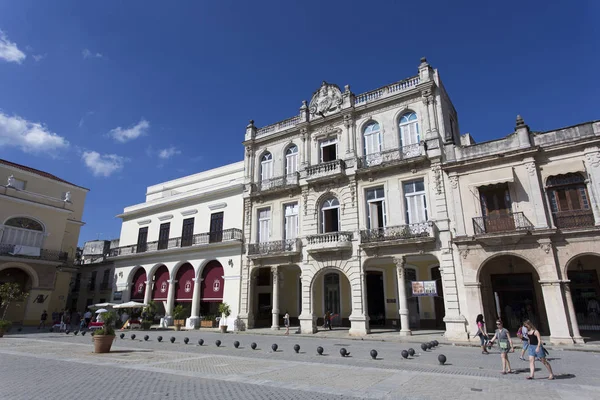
(424, 288)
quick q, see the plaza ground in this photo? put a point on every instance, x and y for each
(57, 366)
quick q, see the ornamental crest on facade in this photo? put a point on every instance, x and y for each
(216, 285)
(327, 99)
(163, 287)
(188, 286)
(140, 288)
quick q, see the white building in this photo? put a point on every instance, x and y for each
(345, 206)
(183, 245)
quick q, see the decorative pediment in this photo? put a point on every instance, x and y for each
(327, 100)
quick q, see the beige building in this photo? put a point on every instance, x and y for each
(40, 216)
(525, 218)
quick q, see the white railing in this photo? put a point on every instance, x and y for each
(386, 90)
(279, 126)
(328, 238)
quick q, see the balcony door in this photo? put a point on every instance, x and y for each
(569, 201)
(264, 223)
(142, 240)
(291, 221)
(163, 236)
(376, 212)
(330, 216)
(216, 228)
(329, 150)
(496, 208)
(415, 203)
(187, 232)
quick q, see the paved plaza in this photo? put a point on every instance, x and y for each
(58, 366)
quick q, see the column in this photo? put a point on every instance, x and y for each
(403, 302)
(349, 141)
(170, 302)
(556, 313)
(307, 318)
(459, 217)
(572, 315)
(426, 118)
(592, 163)
(194, 320)
(431, 114)
(304, 148)
(363, 292)
(535, 195)
(148, 292)
(275, 324)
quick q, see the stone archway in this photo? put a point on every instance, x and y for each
(331, 291)
(583, 272)
(510, 290)
(211, 288)
(17, 310)
(138, 285)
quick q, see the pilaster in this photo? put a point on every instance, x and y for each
(592, 163)
(535, 193)
(556, 312)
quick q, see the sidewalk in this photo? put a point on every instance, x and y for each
(421, 336)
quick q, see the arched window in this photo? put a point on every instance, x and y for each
(266, 167)
(291, 160)
(23, 231)
(330, 215)
(332, 293)
(569, 201)
(372, 137)
(409, 130)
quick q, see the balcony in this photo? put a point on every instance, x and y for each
(398, 235)
(329, 242)
(392, 157)
(326, 170)
(573, 219)
(278, 184)
(277, 248)
(34, 253)
(505, 226)
(201, 239)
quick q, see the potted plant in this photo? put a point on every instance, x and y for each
(225, 312)
(148, 315)
(103, 338)
(9, 292)
(178, 317)
(208, 321)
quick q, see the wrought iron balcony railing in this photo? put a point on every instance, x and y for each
(503, 223)
(325, 169)
(390, 156)
(399, 232)
(573, 219)
(275, 247)
(200, 239)
(281, 182)
(44, 254)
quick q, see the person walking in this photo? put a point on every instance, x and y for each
(43, 319)
(522, 334)
(286, 322)
(87, 317)
(481, 332)
(536, 350)
(506, 346)
(327, 318)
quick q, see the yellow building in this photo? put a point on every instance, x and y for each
(40, 220)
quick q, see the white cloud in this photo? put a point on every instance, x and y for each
(39, 57)
(103, 164)
(30, 137)
(86, 53)
(125, 135)
(169, 152)
(9, 51)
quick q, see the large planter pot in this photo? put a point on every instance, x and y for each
(103, 343)
(177, 327)
(223, 328)
(207, 324)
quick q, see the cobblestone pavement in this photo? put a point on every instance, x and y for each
(46, 366)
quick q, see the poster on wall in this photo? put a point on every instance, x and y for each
(117, 296)
(424, 288)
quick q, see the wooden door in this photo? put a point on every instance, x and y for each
(497, 209)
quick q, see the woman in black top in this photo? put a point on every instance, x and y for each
(535, 350)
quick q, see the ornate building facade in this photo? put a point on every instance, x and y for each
(183, 245)
(345, 205)
(40, 220)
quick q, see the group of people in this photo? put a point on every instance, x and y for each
(530, 339)
(66, 319)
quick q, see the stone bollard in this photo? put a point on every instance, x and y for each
(146, 337)
(159, 339)
(172, 339)
(253, 346)
(296, 348)
(274, 347)
(186, 340)
(442, 359)
(218, 343)
(424, 347)
(404, 354)
(200, 342)
(374, 354)
(133, 336)
(236, 344)
(320, 350)
(343, 352)
(411, 352)
(122, 336)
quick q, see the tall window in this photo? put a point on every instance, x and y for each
(415, 202)
(330, 216)
(187, 232)
(329, 149)
(569, 201)
(216, 227)
(291, 221)
(332, 292)
(23, 231)
(496, 208)
(105, 279)
(376, 213)
(264, 225)
(92, 285)
(163, 236)
(266, 167)
(372, 136)
(409, 129)
(142, 240)
(291, 160)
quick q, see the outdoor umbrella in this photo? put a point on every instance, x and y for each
(104, 305)
(102, 310)
(131, 304)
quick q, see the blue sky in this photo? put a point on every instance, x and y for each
(119, 95)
